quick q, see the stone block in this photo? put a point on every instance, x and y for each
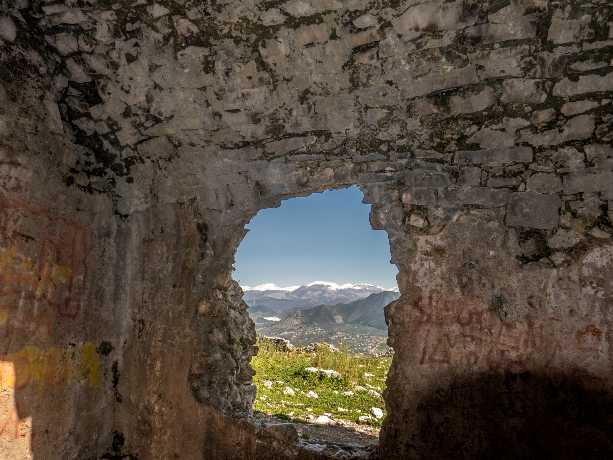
(562, 30)
(495, 156)
(598, 153)
(575, 108)
(503, 182)
(533, 210)
(365, 21)
(302, 8)
(585, 84)
(542, 117)
(433, 15)
(420, 197)
(577, 128)
(473, 102)
(427, 179)
(483, 197)
(523, 91)
(564, 239)
(470, 176)
(8, 29)
(589, 181)
(544, 183)
(272, 17)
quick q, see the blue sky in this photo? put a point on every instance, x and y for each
(325, 236)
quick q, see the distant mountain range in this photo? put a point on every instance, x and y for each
(269, 298)
(351, 315)
(366, 312)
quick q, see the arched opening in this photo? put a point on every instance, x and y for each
(317, 277)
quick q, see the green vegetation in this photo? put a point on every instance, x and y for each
(283, 382)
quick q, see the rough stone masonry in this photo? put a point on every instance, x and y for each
(137, 138)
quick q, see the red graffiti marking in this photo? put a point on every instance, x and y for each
(463, 331)
(43, 273)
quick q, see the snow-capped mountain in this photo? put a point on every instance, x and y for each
(273, 298)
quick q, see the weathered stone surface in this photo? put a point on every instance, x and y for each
(137, 139)
(579, 127)
(574, 108)
(588, 181)
(564, 30)
(495, 156)
(472, 102)
(470, 176)
(523, 91)
(564, 239)
(584, 84)
(533, 210)
(544, 183)
(8, 29)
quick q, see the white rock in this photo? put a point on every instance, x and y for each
(323, 420)
(185, 27)
(312, 394)
(71, 16)
(8, 29)
(268, 384)
(327, 372)
(65, 43)
(365, 21)
(376, 412)
(289, 391)
(157, 11)
(272, 17)
(374, 394)
(364, 418)
(342, 409)
(330, 373)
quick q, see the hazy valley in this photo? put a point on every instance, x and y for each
(349, 316)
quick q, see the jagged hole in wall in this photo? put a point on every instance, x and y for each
(317, 277)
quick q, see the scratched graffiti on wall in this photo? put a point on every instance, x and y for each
(468, 334)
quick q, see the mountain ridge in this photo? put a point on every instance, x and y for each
(270, 298)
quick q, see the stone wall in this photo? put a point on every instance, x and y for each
(138, 138)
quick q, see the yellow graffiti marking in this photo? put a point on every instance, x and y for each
(90, 364)
(43, 367)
